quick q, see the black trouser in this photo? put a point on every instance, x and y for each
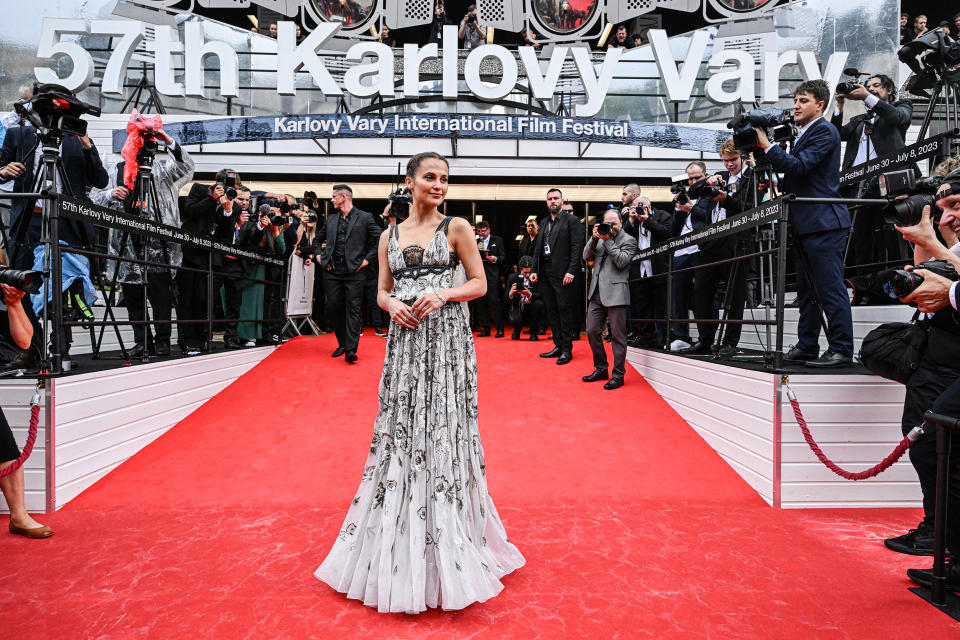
(489, 308)
(938, 370)
(923, 455)
(648, 300)
(273, 295)
(233, 269)
(344, 299)
(161, 301)
(531, 316)
(192, 287)
(560, 301)
(375, 315)
(319, 312)
(705, 289)
(682, 295)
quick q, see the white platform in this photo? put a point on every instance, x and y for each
(746, 417)
(92, 422)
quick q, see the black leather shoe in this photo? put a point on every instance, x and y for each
(614, 383)
(699, 348)
(483, 333)
(553, 353)
(830, 358)
(351, 356)
(515, 335)
(162, 348)
(924, 577)
(598, 374)
(726, 351)
(25, 360)
(137, 352)
(232, 343)
(339, 352)
(534, 337)
(916, 542)
(499, 334)
(565, 357)
(799, 355)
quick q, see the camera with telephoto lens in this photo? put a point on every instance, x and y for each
(276, 219)
(29, 281)
(778, 124)
(919, 192)
(604, 229)
(53, 110)
(899, 283)
(845, 87)
(701, 189)
(471, 18)
(681, 192)
(400, 201)
(229, 186)
(311, 217)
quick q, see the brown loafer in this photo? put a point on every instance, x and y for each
(37, 533)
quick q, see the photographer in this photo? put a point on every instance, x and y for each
(492, 254)
(523, 301)
(935, 384)
(470, 33)
(231, 227)
(83, 169)
(727, 201)
(689, 215)
(200, 218)
(609, 296)
(812, 170)
(16, 331)
(879, 131)
(648, 296)
(170, 173)
(439, 22)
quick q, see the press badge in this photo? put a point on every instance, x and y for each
(546, 249)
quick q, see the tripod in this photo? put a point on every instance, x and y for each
(952, 107)
(45, 182)
(143, 201)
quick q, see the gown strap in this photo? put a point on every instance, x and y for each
(444, 225)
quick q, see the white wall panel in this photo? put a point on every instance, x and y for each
(855, 418)
(103, 418)
(15, 394)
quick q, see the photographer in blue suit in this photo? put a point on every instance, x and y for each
(812, 170)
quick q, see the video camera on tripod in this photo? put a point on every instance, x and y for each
(778, 124)
(54, 111)
(933, 57)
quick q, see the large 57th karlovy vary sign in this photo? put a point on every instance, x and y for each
(733, 73)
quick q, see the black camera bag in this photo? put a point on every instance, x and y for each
(894, 349)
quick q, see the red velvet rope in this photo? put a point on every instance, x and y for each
(843, 473)
(28, 446)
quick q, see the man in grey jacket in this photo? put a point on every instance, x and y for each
(609, 294)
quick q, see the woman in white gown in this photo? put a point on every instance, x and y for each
(422, 530)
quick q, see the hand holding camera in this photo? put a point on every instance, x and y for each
(244, 217)
(12, 295)
(602, 230)
(929, 290)
(120, 193)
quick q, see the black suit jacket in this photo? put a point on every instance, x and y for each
(659, 225)
(517, 278)
(362, 237)
(83, 168)
(566, 247)
(889, 131)
(494, 248)
(199, 218)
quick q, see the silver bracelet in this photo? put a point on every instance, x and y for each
(442, 299)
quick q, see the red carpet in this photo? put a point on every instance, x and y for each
(631, 525)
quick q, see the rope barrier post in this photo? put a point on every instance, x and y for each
(937, 594)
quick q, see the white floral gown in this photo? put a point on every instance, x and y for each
(422, 530)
